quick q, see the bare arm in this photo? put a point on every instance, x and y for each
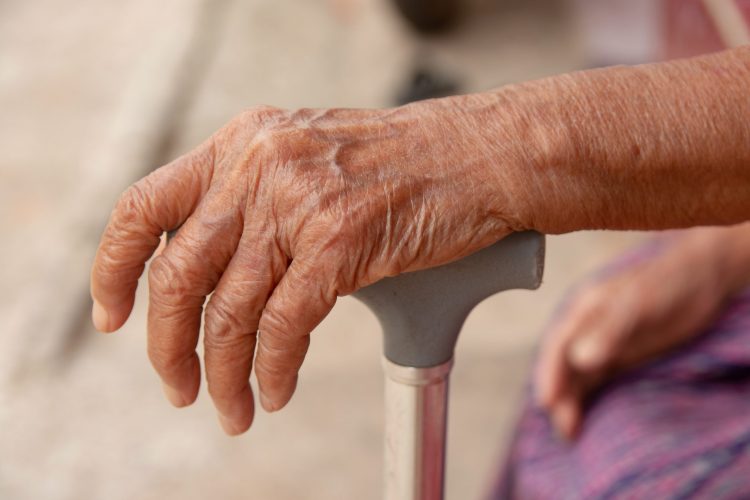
(281, 212)
(648, 147)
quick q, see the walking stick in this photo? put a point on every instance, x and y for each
(421, 314)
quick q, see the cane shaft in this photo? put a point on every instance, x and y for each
(416, 401)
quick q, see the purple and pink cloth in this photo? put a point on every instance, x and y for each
(677, 428)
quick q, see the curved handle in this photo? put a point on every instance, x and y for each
(422, 312)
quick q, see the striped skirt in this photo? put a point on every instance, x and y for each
(676, 428)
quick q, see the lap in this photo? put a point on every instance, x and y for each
(676, 428)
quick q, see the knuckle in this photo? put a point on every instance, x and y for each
(218, 344)
(245, 126)
(284, 350)
(224, 323)
(271, 362)
(113, 273)
(337, 269)
(255, 119)
(259, 114)
(327, 239)
(342, 232)
(227, 357)
(166, 277)
(223, 390)
(275, 327)
(131, 205)
(167, 362)
(274, 142)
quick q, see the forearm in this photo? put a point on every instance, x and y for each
(648, 147)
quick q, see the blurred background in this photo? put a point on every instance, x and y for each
(94, 94)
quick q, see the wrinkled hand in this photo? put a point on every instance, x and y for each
(279, 213)
(624, 319)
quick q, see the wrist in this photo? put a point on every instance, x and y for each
(511, 136)
(470, 134)
(537, 157)
(724, 252)
(600, 149)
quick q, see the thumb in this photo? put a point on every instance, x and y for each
(566, 416)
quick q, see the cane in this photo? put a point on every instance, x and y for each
(421, 314)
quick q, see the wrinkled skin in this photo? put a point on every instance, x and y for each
(623, 319)
(279, 214)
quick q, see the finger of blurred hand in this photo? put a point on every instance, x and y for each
(296, 306)
(159, 202)
(593, 310)
(549, 376)
(231, 323)
(598, 346)
(179, 281)
(580, 351)
(566, 416)
(552, 370)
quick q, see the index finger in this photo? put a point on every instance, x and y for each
(159, 202)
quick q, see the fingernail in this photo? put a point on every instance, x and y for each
(267, 403)
(174, 396)
(100, 317)
(229, 426)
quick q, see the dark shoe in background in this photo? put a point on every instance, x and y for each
(430, 16)
(426, 84)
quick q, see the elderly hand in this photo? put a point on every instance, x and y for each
(628, 317)
(279, 213)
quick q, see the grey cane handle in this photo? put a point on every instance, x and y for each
(422, 312)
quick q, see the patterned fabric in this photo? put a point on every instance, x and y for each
(677, 428)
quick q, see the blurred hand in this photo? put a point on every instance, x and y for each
(627, 318)
(279, 213)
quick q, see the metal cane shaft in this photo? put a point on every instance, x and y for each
(415, 427)
(422, 314)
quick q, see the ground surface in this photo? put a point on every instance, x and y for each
(96, 93)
